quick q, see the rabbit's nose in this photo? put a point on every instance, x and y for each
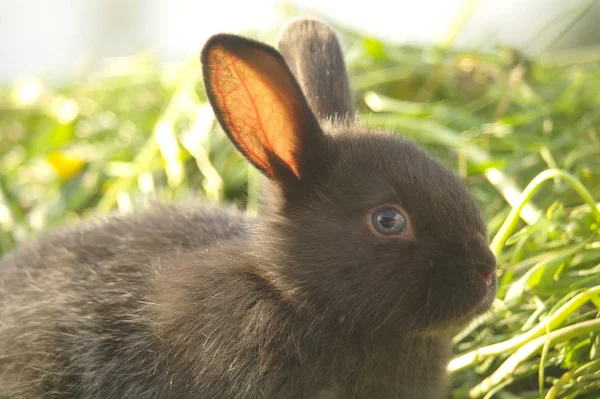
(486, 261)
(487, 277)
(487, 269)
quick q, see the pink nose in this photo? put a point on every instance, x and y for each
(486, 276)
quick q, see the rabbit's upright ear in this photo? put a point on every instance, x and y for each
(261, 107)
(314, 54)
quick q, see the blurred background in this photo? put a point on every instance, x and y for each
(102, 109)
(62, 37)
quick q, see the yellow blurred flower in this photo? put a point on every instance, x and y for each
(66, 165)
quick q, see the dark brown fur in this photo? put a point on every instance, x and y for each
(190, 301)
(302, 45)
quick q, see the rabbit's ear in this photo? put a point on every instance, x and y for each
(313, 52)
(261, 107)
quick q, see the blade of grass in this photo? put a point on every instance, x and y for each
(511, 221)
(507, 368)
(550, 322)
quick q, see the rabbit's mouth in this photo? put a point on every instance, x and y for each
(482, 307)
(461, 307)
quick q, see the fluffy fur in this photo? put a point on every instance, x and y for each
(192, 301)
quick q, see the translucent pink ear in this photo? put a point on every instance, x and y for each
(258, 103)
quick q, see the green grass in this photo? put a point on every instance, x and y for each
(522, 133)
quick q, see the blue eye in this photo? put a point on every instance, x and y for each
(389, 222)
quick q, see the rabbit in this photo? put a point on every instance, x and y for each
(365, 255)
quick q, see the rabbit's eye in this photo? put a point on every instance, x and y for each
(389, 222)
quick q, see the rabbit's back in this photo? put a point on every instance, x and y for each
(119, 244)
(74, 295)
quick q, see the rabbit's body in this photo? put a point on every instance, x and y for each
(75, 304)
(366, 253)
(104, 328)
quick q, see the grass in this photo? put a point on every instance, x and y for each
(522, 133)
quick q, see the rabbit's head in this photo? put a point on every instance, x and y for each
(361, 227)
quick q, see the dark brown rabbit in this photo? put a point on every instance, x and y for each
(366, 253)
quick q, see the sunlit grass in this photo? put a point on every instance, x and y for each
(134, 132)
